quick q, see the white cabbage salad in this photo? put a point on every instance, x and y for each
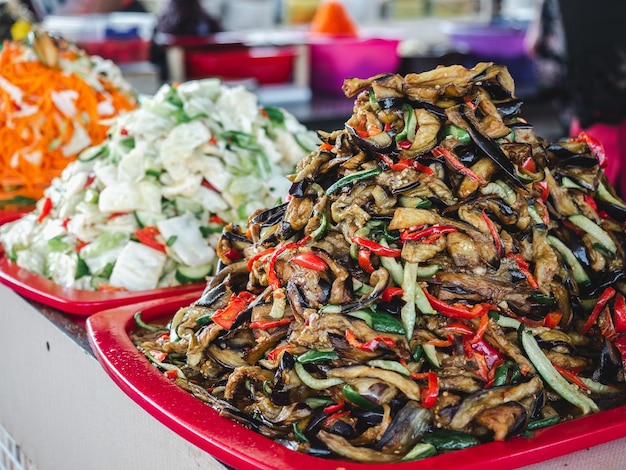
(145, 208)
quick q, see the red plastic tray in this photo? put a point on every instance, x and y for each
(241, 448)
(77, 301)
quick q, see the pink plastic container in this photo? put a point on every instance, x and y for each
(334, 59)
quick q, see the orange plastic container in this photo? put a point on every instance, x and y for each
(268, 65)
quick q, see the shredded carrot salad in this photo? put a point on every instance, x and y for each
(47, 116)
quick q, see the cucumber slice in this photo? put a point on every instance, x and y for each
(307, 140)
(604, 194)
(431, 354)
(91, 153)
(184, 205)
(579, 273)
(187, 274)
(595, 231)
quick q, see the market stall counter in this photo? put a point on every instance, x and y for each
(60, 409)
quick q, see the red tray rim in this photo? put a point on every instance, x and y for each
(78, 301)
(242, 448)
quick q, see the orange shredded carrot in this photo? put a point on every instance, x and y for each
(332, 18)
(33, 131)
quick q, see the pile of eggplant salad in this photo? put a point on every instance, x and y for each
(438, 277)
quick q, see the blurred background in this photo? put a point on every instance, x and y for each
(280, 51)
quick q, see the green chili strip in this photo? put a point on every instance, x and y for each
(379, 321)
(455, 131)
(359, 175)
(355, 397)
(420, 451)
(315, 355)
(449, 439)
(542, 423)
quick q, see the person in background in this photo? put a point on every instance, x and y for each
(545, 45)
(595, 40)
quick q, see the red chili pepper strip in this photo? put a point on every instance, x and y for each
(458, 310)
(409, 234)
(494, 234)
(163, 338)
(45, 210)
(529, 165)
(405, 163)
(483, 367)
(440, 343)
(310, 260)
(216, 219)
(148, 236)
(552, 319)
(158, 355)
(225, 317)
(596, 147)
(258, 256)
(589, 200)
(351, 339)
(607, 295)
(457, 164)
(480, 332)
(79, 245)
(491, 354)
(390, 292)
(459, 328)
(619, 311)
(430, 394)
(274, 353)
(272, 278)
(377, 248)
(233, 255)
(405, 144)
(334, 417)
(523, 266)
(90, 179)
(171, 374)
(371, 345)
(330, 409)
(364, 258)
(266, 325)
(570, 376)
